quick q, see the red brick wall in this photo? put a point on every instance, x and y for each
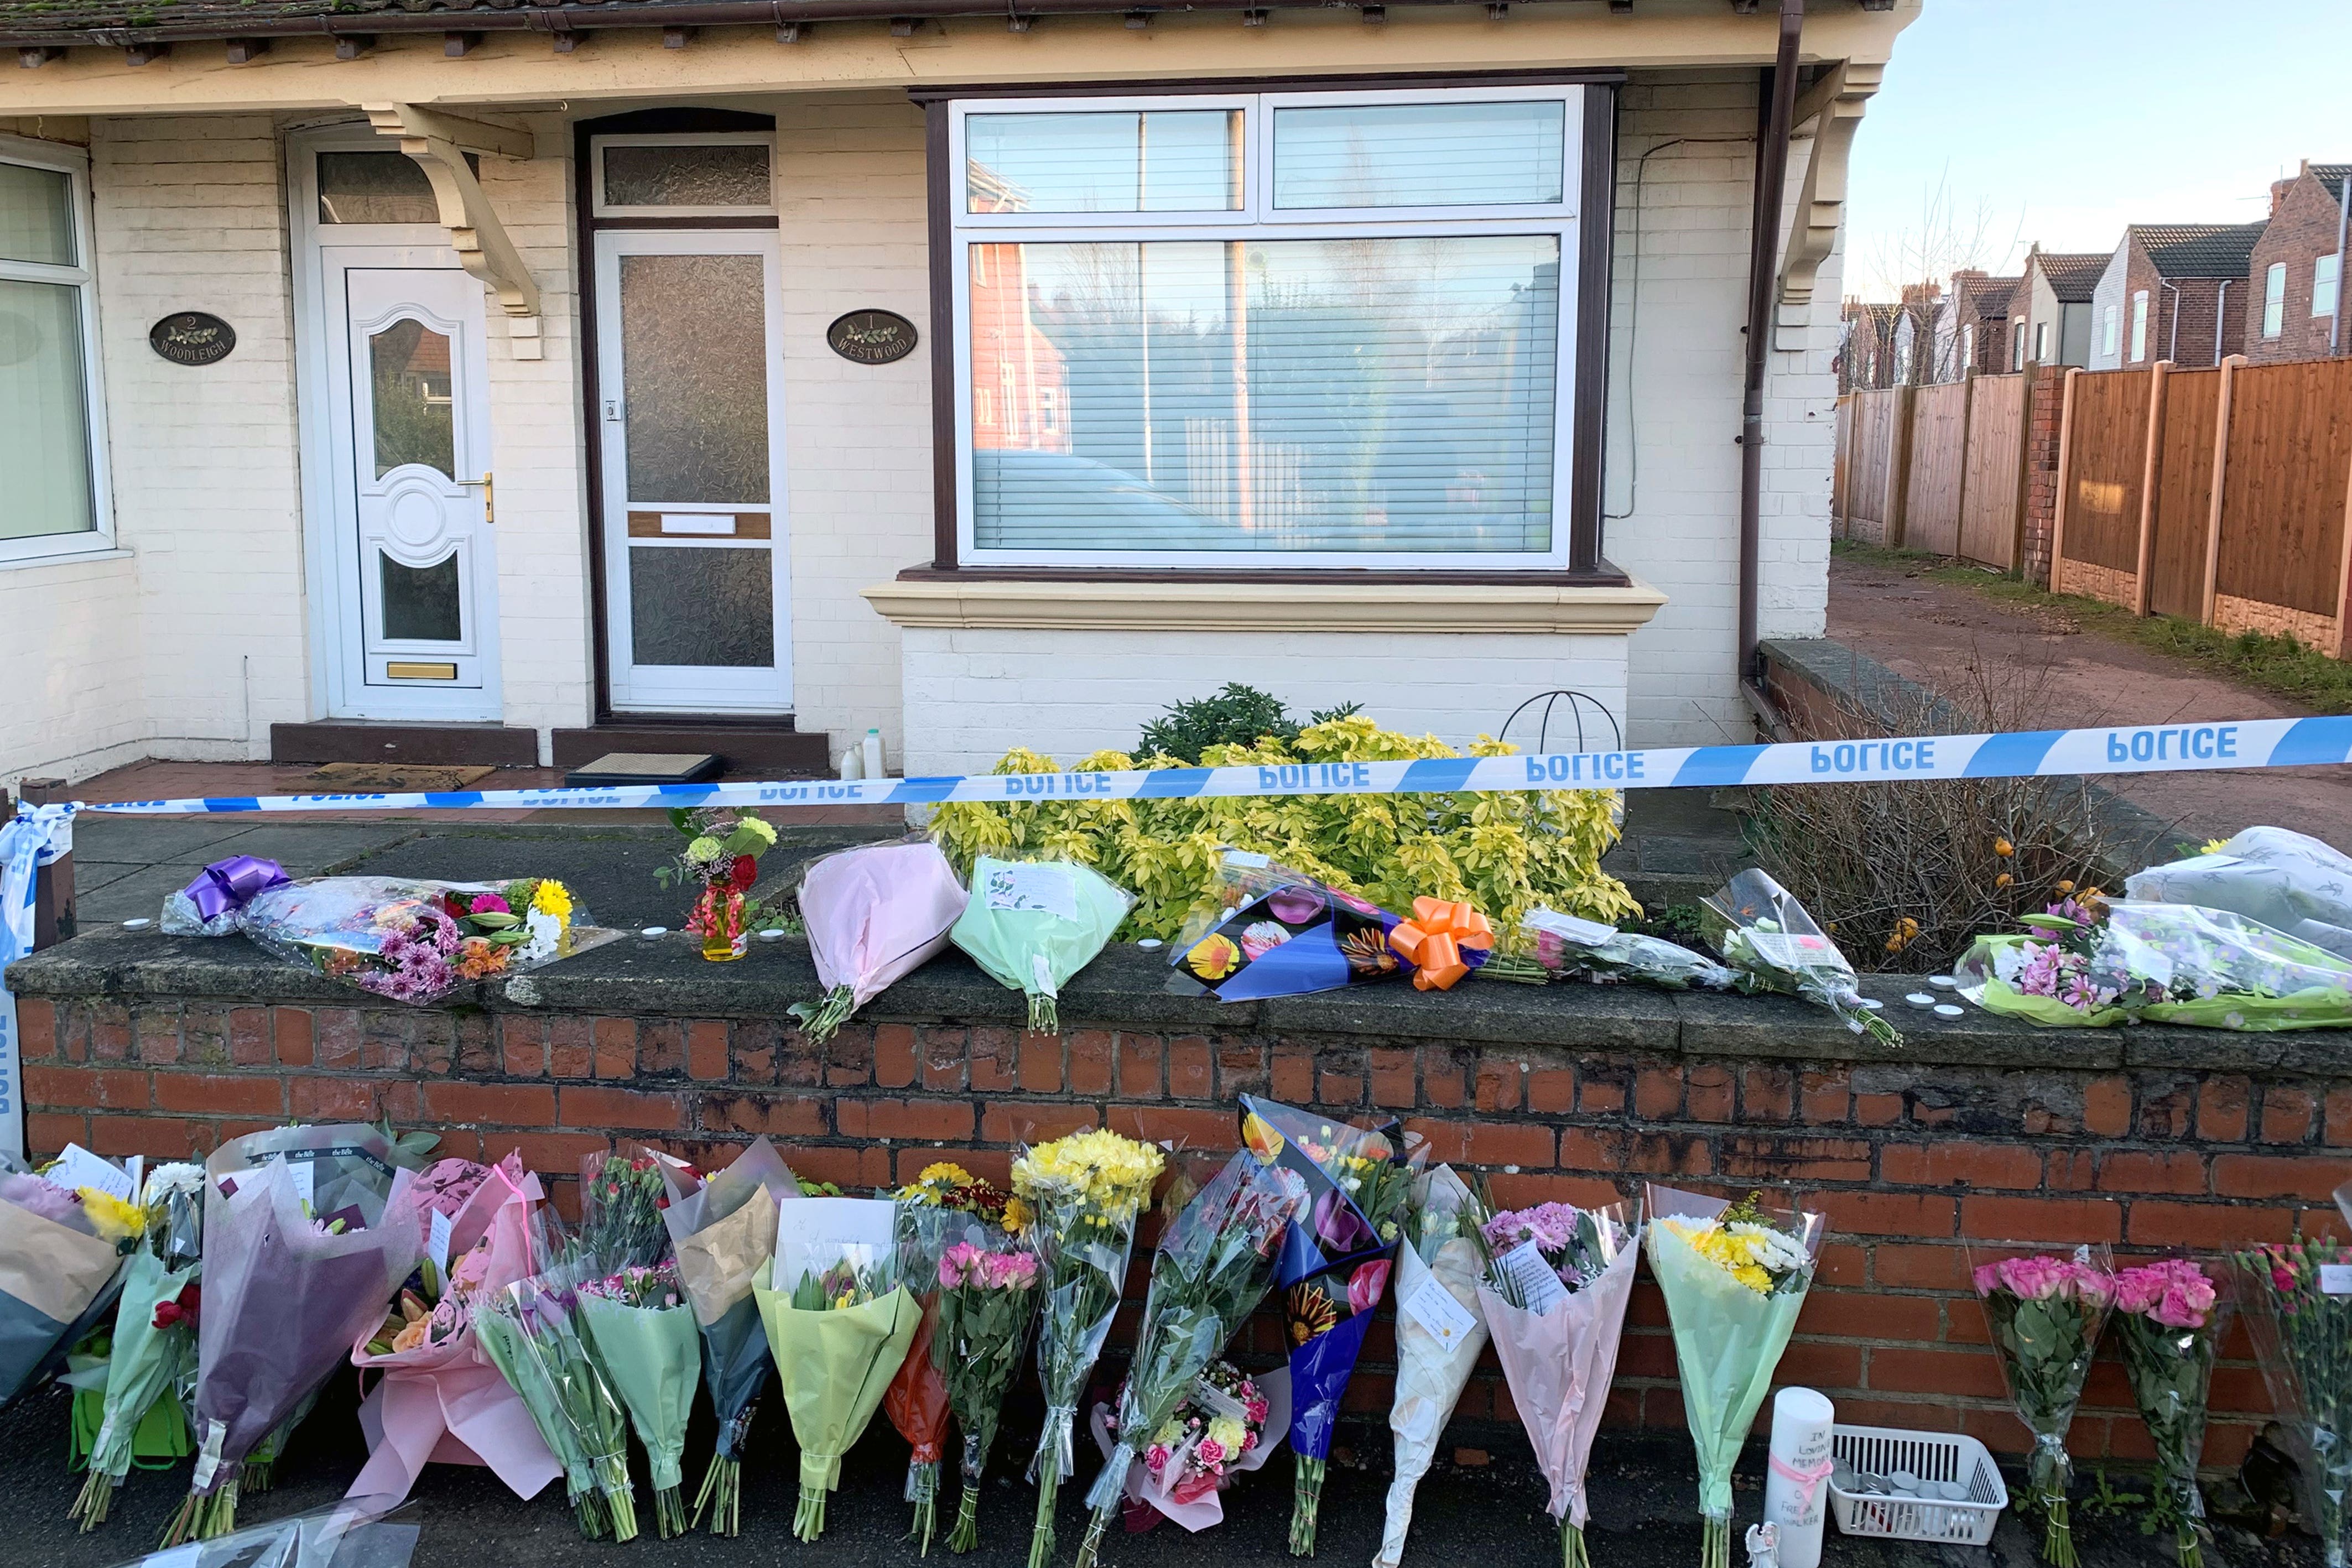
(1905, 1160)
(2045, 399)
(2302, 229)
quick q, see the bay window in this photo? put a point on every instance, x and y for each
(1267, 329)
(50, 442)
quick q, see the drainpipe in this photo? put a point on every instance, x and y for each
(2172, 337)
(2220, 315)
(2343, 232)
(1771, 181)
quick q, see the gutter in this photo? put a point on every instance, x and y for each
(1773, 125)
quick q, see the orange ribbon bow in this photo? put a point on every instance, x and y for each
(1434, 939)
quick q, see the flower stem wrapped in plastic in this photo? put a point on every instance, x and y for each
(634, 1313)
(2302, 1340)
(147, 1351)
(1032, 925)
(840, 1324)
(2045, 1313)
(1226, 1425)
(1566, 947)
(1083, 1192)
(1215, 1264)
(1734, 1277)
(1555, 1301)
(308, 1233)
(1333, 1270)
(874, 914)
(1442, 1262)
(2170, 1316)
(724, 1231)
(988, 1299)
(944, 1207)
(1772, 944)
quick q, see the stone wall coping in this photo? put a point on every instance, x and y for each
(1125, 989)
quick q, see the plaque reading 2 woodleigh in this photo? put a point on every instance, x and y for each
(872, 336)
(192, 338)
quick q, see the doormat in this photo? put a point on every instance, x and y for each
(349, 776)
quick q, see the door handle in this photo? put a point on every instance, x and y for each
(489, 515)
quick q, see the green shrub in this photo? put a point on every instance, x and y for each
(1237, 715)
(1504, 851)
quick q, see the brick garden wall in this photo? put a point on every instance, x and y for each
(2174, 1149)
(2045, 395)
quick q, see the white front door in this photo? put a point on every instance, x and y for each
(416, 595)
(688, 347)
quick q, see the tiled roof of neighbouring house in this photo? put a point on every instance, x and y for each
(2199, 250)
(2331, 176)
(1990, 294)
(2073, 276)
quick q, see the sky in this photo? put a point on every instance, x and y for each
(2005, 121)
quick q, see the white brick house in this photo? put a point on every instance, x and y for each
(1392, 354)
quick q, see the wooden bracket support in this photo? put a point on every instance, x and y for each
(1832, 107)
(440, 142)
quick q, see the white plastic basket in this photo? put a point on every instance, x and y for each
(1931, 1457)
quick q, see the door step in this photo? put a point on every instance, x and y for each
(369, 740)
(771, 750)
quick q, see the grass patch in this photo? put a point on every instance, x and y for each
(2279, 665)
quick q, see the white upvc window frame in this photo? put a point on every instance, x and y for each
(2139, 326)
(1258, 218)
(74, 164)
(2327, 272)
(598, 207)
(2275, 300)
(2109, 332)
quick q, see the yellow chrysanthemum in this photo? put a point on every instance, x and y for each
(112, 1218)
(1016, 1214)
(551, 897)
(1107, 1176)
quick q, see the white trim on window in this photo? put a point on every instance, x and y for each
(82, 277)
(2325, 275)
(599, 207)
(2275, 300)
(2108, 330)
(1257, 218)
(2139, 326)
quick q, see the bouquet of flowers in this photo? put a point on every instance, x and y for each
(440, 1398)
(151, 1338)
(1772, 944)
(1734, 1276)
(874, 914)
(1226, 1425)
(1555, 1301)
(987, 1300)
(2302, 1330)
(1563, 947)
(2288, 880)
(635, 1317)
(2045, 1314)
(411, 941)
(308, 1231)
(840, 1324)
(1032, 925)
(1333, 1270)
(724, 1231)
(945, 1207)
(1215, 1262)
(1440, 1332)
(2089, 962)
(1275, 932)
(721, 858)
(2171, 1318)
(1083, 1192)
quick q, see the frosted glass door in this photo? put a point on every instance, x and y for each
(694, 537)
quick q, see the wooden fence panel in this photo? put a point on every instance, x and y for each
(2184, 494)
(1870, 470)
(1931, 511)
(2106, 457)
(1989, 497)
(1841, 490)
(2283, 506)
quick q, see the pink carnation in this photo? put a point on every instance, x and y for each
(1211, 1452)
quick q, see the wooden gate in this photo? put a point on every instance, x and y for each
(2104, 457)
(2184, 494)
(2280, 545)
(1939, 435)
(1872, 504)
(1990, 488)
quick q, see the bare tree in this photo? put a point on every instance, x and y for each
(1915, 264)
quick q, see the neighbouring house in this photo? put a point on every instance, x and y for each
(2172, 291)
(2049, 315)
(518, 385)
(1867, 329)
(2292, 284)
(1972, 325)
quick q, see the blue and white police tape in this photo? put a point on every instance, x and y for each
(2041, 753)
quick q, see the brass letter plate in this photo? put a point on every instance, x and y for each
(404, 670)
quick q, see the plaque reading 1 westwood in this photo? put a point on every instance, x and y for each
(193, 337)
(872, 336)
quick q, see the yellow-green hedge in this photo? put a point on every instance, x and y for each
(1504, 853)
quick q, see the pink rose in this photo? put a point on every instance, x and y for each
(2035, 1278)
(1988, 1279)
(2089, 1284)
(2176, 1310)
(2137, 1290)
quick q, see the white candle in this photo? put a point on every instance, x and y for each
(1796, 1480)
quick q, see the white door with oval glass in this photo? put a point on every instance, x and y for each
(410, 429)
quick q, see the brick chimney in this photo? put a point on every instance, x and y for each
(2279, 188)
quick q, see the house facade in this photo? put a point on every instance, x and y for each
(2292, 284)
(518, 385)
(2172, 291)
(2049, 318)
(1972, 325)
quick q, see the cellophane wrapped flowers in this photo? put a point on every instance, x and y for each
(636, 1319)
(1032, 925)
(1734, 1277)
(1201, 1448)
(873, 914)
(2302, 1330)
(1214, 1263)
(153, 1338)
(1552, 945)
(1772, 944)
(1557, 1285)
(1083, 1192)
(2045, 1313)
(2170, 1316)
(1437, 1344)
(940, 1208)
(987, 1300)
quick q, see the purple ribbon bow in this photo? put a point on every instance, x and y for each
(232, 884)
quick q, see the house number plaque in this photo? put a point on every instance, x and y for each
(872, 336)
(193, 337)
